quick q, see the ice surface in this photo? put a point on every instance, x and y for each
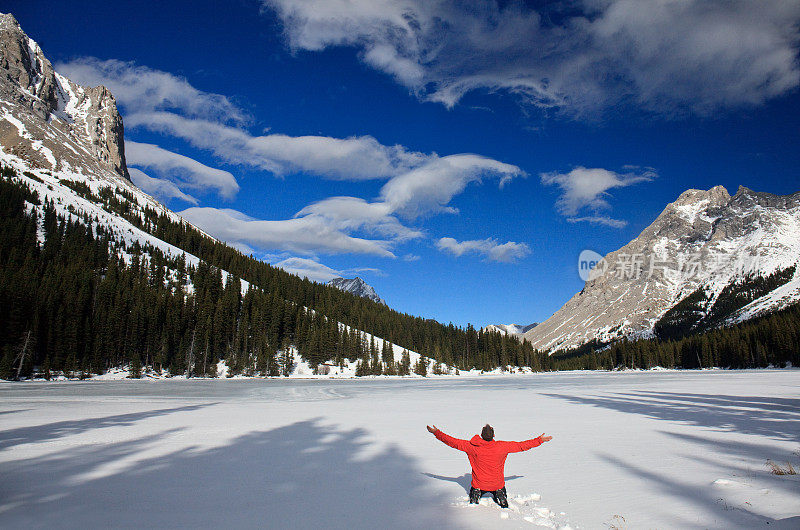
(660, 449)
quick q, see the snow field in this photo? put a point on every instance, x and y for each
(630, 450)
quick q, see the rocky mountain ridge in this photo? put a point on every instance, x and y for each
(358, 287)
(510, 329)
(49, 121)
(703, 242)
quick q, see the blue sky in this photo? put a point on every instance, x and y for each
(475, 148)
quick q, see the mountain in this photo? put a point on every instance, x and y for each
(358, 287)
(68, 142)
(708, 260)
(510, 329)
(50, 121)
(96, 275)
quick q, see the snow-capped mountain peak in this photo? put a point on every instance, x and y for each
(358, 287)
(510, 329)
(705, 243)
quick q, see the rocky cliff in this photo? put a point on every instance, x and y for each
(51, 122)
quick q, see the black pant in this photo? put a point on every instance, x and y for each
(499, 496)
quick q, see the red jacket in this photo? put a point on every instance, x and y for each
(487, 459)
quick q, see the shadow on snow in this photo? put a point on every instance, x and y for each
(771, 417)
(52, 431)
(776, 418)
(465, 480)
(302, 475)
(703, 497)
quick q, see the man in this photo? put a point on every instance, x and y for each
(487, 457)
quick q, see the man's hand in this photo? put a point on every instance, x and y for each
(544, 438)
(433, 429)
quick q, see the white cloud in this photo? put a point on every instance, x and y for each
(141, 89)
(319, 272)
(168, 104)
(425, 190)
(304, 235)
(581, 56)
(417, 184)
(327, 226)
(490, 248)
(308, 268)
(600, 220)
(163, 189)
(356, 158)
(353, 213)
(182, 170)
(430, 187)
(586, 189)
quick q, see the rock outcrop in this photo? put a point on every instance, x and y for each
(51, 122)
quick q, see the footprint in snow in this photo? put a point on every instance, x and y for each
(525, 508)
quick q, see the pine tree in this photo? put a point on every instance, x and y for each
(135, 368)
(405, 364)
(6, 365)
(387, 354)
(362, 369)
(46, 368)
(286, 362)
(421, 368)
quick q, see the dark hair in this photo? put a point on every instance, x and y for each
(487, 433)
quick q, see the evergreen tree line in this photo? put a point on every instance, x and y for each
(461, 347)
(696, 313)
(73, 305)
(769, 340)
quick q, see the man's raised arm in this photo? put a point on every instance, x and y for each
(455, 443)
(516, 447)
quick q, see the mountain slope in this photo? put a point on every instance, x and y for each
(703, 243)
(68, 140)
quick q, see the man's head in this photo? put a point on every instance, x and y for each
(487, 433)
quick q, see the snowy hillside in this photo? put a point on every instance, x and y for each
(59, 189)
(706, 244)
(58, 134)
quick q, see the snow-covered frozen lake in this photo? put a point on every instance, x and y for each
(630, 450)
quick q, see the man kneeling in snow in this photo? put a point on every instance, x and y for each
(487, 457)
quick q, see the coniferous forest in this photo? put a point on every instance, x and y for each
(78, 301)
(75, 305)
